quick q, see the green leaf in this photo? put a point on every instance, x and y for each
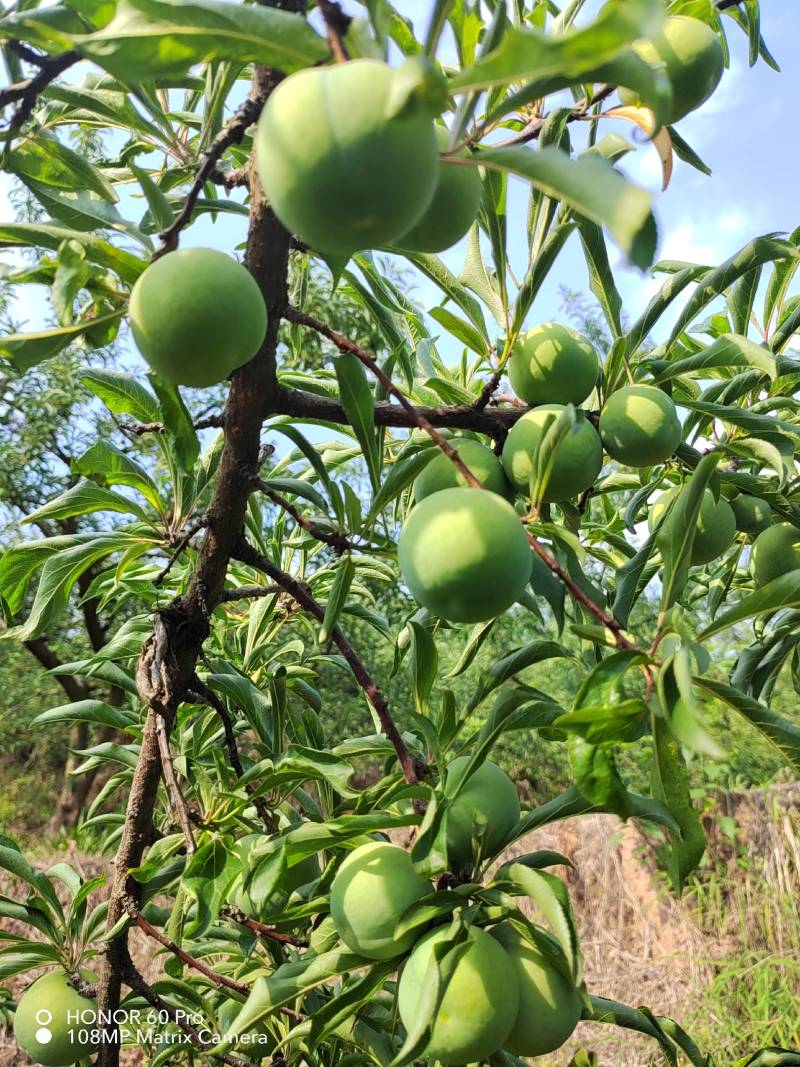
(675, 535)
(103, 461)
(591, 186)
(122, 393)
(26, 350)
(528, 54)
(93, 711)
(49, 162)
(680, 708)
(85, 498)
(601, 279)
(423, 665)
(783, 592)
(40, 235)
(358, 402)
(207, 878)
(671, 786)
(12, 860)
(552, 898)
(513, 663)
(672, 288)
(729, 350)
(460, 329)
(157, 202)
(784, 735)
(177, 421)
(150, 38)
(343, 579)
(610, 1011)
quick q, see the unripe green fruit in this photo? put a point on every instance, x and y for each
(775, 552)
(716, 525)
(552, 364)
(197, 315)
(374, 886)
(693, 59)
(488, 806)
(52, 1038)
(639, 426)
(464, 555)
(453, 209)
(345, 163)
(479, 1005)
(549, 1004)
(752, 514)
(578, 458)
(440, 473)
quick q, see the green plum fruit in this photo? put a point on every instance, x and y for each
(549, 1004)
(776, 551)
(487, 808)
(716, 524)
(479, 1005)
(374, 886)
(453, 209)
(639, 426)
(578, 457)
(347, 155)
(552, 364)
(440, 473)
(464, 554)
(692, 57)
(197, 315)
(752, 514)
(48, 1024)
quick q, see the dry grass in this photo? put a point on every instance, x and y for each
(724, 961)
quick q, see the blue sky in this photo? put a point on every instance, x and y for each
(741, 133)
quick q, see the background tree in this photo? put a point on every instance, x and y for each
(235, 576)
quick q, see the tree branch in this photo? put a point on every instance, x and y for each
(335, 538)
(26, 92)
(336, 26)
(174, 790)
(247, 554)
(248, 592)
(260, 928)
(231, 133)
(180, 547)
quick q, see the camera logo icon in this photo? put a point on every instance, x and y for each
(43, 1018)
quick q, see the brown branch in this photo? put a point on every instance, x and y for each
(335, 538)
(296, 589)
(248, 592)
(488, 390)
(336, 26)
(231, 133)
(532, 130)
(180, 547)
(171, 782)
(146, 927)
(723, 5)
(141, 428)
(261, 928)
(203, 695)
(25, 93)
(137, 983)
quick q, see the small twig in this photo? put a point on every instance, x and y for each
(146, 927)
(176, 797)
(26, 92)
(79, 983)
(335, 538)
(26, 54)
(488, 390)
(198, 525)
(231, 179)
(723, 5)
(137, 983)
(261, 928)
(141, 428)
(248, 592)
(532, 130)
(336, 26)
(231, 133)
(247, 554)
(201, 693)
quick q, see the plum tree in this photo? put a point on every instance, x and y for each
(552, 364)
(549, 1004)
(440, 473)
(479, 1005)
(368, 147)
(47, 1022)
(464, 555)
(371, 890)
(775, 552)
(197, 315)
(693, 58)
(752, 514)
(577, 461)
(716, 524)
(639, 426)
(486, 808)
(453, 209)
